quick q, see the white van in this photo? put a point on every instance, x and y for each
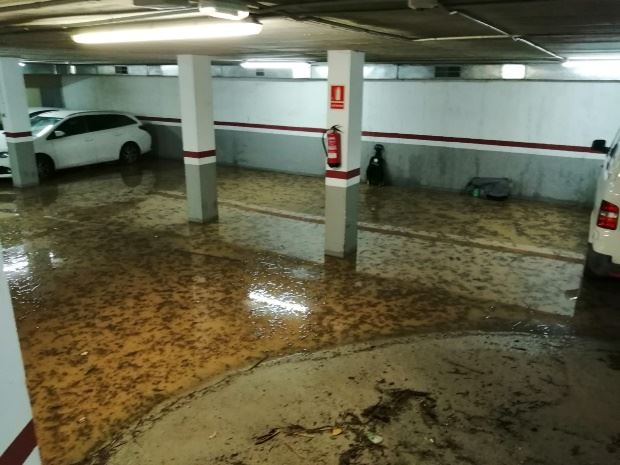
(67, 138)
(603, 258)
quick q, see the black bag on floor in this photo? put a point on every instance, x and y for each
(491, 188)
(375, 173)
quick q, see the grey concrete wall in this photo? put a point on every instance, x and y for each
(273, 152)
(534, 176)
(167, 141)
(50, 87)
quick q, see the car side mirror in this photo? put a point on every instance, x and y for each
(59, 134)
(600, 145)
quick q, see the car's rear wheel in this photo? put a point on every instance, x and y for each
(45, 166)
(130, 153)
(596, 266)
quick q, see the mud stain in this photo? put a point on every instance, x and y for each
(121, 304)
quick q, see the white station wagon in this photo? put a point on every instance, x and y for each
(68, 138)
(603, 257)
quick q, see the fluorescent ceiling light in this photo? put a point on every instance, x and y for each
(157, 32)
(224, 9)
(322, 71)
(595, 68)
(22, 64)
(513, 71)
(299, 68)
(594, 57)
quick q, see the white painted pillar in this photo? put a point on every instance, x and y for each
(196, 96)
(18, 444)
(14, 108)
(345, 94)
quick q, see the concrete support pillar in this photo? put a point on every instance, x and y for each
(196, 95)
(18, 444)
(14, 108)
(345, 94)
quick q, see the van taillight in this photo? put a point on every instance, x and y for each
(608, 216)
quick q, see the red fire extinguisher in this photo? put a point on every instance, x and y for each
(333, 151)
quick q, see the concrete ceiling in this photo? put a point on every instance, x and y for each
(457, 31)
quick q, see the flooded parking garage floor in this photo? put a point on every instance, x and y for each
(122, 305)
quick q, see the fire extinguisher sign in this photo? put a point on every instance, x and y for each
(337, 97)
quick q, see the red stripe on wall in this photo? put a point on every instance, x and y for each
(400, 135)
(21, 448)
(269, 126)
(203, 154)
(18, 134)
(467, 140)
(342, 174)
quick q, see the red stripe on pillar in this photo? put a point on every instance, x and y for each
(203, 154)
(18, 134)
(21, 448)
(342, 174)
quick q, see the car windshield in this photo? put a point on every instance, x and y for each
(41, 123)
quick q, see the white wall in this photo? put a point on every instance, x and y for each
(15, 411)
(569, 113)
(148, 96)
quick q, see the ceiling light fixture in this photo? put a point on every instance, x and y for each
(224, 9)
(300, 69)
(513, 71)
(594, 57)
(609, 69)
(167, 31)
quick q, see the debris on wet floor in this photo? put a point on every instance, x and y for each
(121, 304)
(520, 409)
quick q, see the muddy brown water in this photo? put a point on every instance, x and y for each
(120, 303)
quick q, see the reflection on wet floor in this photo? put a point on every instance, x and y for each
(120, 303)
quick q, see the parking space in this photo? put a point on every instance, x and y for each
(369, 232)
(121, 304)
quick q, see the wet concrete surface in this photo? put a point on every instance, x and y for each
(121, 304)
(483, 399)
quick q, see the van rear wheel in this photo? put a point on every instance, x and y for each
(130, 152)
(597, 266)
(45, 166)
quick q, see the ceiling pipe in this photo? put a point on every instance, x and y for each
(40, 4)
(479, 21)
(536, 46)
(120, 16)
(349, 27)
(322, 6)
(445, 39)
(465, 3)
(283, 10)
(505, 34)
(135, 18)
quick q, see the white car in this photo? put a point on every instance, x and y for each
(603, 258)
(67, 138)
